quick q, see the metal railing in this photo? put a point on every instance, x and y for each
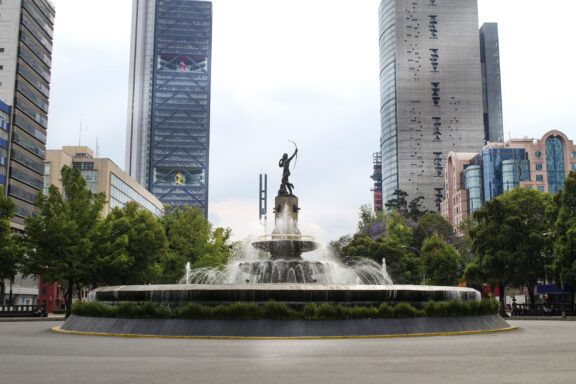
(544, 309)
(28, 310)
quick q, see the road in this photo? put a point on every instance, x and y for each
(538, 352)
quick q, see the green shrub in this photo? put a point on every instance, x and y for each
(278, 311)
(194, 311)
(281, 311)
(310, 312)
(92, 309)
(362, 312)
(385, 311)
(326, 312)
(405, 310)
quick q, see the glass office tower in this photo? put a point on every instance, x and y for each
(430, 91)
(491, 84)
(168, 132)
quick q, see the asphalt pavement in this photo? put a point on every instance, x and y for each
(538, 352)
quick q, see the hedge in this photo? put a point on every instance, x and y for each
(279, 311)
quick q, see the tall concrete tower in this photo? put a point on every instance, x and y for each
(430, 90)
(168, 135)
(26, 28)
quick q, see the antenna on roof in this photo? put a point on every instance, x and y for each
(97, 148)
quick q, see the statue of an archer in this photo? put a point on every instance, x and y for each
(286, 187)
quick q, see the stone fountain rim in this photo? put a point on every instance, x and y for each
(281, 287)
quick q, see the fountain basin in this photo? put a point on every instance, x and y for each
(292, 294)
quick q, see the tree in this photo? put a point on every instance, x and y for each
(192, 239)
(133, 244)
(60, 238)
(564, 232)
(368, 221)
(441, 262)
(510, 239)
(402, 262)
(11, 249)
(399, 202)
(336, 247)
(415, 209)
(430, 224)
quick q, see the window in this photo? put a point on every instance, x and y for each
(539, 178)
(574, 166)
(1, 67)
(573, 154)
(538, 166)
(541, 188)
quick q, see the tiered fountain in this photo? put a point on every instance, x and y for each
(288, 277)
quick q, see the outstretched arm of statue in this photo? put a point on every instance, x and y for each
(294, 154)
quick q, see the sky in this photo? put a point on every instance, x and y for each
(300, 70)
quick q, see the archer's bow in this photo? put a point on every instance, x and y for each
(295, 157)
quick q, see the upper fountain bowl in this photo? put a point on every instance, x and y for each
(286, 246)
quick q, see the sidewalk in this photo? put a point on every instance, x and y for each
(51, 317)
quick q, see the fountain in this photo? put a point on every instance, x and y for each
(286, 276)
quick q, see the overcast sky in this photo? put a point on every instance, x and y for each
(301, 70)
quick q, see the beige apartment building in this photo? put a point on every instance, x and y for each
(101, 175)
(470, 180)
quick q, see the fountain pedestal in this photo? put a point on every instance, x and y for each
(286, 242)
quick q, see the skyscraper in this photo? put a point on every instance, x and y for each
(491, 87)
(168, 132)
(430, 91)
(25, 60)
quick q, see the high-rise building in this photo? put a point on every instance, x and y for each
(25, 60)
(168, 132)
(430, 91)
(491, 83)
(4, 142)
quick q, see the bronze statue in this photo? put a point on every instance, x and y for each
(286, 187)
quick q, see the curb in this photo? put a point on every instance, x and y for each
(399, 335)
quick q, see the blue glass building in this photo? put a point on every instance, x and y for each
(499, 162)
(168, 133)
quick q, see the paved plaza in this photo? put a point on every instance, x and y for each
(538, 352)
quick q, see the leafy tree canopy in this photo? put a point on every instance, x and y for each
(131, 248)
(60, 237)
(441, 262)
(564, 231)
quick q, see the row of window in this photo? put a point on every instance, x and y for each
(123, 193)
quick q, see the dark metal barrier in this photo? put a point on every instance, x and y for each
(544, 309)
(29, 310)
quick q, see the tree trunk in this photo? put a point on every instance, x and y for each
(69, 294)
(10, 299)
(531, 295)
(2, 291)
(502, 296)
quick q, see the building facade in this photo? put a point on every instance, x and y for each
(491, 83)
(168, 135)
(26, 28)
(430, 91)
(102, 176)
(4, 142)
(472, 180)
